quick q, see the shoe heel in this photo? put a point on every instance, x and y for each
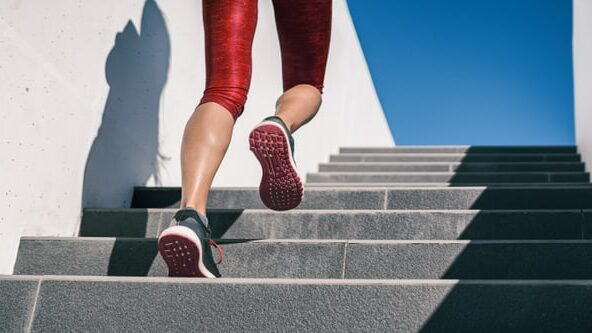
(182, 253)
(281, 188)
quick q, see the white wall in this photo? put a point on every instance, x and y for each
(582, 54)
(85, 116)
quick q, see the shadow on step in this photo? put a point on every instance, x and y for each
(131, 259)
(520, 307)
(527, 306)
(136, 258)
(222, 220)
(141, 222)
(523, 165)
(128, 223)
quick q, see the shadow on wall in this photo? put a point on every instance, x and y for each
(125, 151)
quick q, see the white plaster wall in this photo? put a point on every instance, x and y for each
(85, 116)
(582, 56)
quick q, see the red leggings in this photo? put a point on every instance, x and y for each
(304, 29)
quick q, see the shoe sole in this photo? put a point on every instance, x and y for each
(280, 188)
(182, 252)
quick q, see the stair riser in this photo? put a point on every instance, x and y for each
(455, 158)
(447, 167)
(448, 177)
(490, 198)
(65, 305)
(407, 198)
(139, 257)
(466, 149)
(248, 198)
(351, 225)
(435, 185)
(321, 260)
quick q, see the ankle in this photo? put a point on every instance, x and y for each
(197, 208)
(202, 215)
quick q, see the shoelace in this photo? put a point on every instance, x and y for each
(220, 251)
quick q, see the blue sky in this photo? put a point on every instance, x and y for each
(471, 71)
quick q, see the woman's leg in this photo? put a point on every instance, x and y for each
(229, 28)
(304, 30)
(205, 141)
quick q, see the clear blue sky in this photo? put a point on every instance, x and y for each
(471, 71)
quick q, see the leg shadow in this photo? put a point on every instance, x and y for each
(125, 151)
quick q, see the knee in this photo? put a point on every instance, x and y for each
(309, 89)
(313, 85)
(302, 91)
(232, 99)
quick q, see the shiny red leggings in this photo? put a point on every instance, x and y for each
(304, 29)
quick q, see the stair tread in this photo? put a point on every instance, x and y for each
(231, 280)
(422, 237)
(297, 258)
(75, 303)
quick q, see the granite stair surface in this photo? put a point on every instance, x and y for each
(403, 239)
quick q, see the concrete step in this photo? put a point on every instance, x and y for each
(17, 301)
(354, 259)
(464, 158)
(248, 198)
(156, 304)
(460, 149)
(449, 167)
(451, 177)
(490, 198)
(353, 224)
(139, 257)
(384, 185)
(556, 197)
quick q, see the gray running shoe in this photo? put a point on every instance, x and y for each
(185, 246)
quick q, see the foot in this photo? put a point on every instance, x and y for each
(273, 145)
(185, 246)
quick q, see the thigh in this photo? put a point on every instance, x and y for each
(229, 27)
(304, 31)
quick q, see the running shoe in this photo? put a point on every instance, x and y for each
(186, 244)
(273, 145)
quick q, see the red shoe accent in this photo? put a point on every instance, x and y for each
(181, 255)
(220, 251)
(280, 187)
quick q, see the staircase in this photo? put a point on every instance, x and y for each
(406, 239)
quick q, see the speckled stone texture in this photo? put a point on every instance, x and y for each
(455, 157)
(445, 167)
(158, 305)
(478, 197)
(17, 297)
(469, 260)
(459, 149)
(138, 257)
(463, 177)
(321, 259)
(391, 242)
(248, 198)
(354, 224)
(491, 198)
